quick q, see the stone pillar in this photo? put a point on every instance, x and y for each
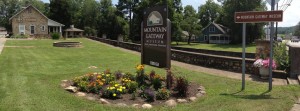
(262, 48)
(294, 52)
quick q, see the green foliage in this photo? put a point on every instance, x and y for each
(132, 86)
(281, 56)
(19, 36)
(163, 94)
(254, 31)
(190, 22)
(297, 30)
(113, 91)
(182, 85)
(209, 12)
(156, 80)
(90, 31)
(55, 36)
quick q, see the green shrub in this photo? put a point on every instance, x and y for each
(163, 94)
(182, 86)
(113, 91)
(132, 86)
(281, 57)
(55, 36)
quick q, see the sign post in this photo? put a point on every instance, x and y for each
(156, 37)
(256, 17)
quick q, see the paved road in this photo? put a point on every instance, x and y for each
(2, 42)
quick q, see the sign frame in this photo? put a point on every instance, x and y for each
(156, 37)
(258, 16)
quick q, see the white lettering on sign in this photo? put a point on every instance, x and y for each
(155, 29)
(154, 63)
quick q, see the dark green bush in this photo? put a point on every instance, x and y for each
(55, 36)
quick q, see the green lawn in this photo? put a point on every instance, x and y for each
(30, 78)
(220, 47)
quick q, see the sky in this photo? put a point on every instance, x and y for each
(290, 16)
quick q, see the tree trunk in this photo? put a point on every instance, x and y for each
(189, 40)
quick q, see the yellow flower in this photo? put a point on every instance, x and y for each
(99, 76)
(116, 85)
(114, 94)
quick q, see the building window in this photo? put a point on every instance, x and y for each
(43, 28)
(212, 29)
(22, 29)
(205, 37)
(32, 29)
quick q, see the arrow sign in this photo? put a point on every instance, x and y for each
(254, 17)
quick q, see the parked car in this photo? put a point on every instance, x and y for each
(279, 39)
(295, 39)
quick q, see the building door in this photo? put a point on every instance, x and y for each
(32, 29)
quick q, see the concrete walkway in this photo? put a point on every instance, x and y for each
(2, 42)
(211, 71)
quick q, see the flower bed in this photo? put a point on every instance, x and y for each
(139, 88)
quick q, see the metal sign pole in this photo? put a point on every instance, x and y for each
(271, 48)
(244, 54)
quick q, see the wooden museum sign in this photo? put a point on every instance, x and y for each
(254, 17)
(156, 37)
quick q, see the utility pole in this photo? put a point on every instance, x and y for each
(271, 48)
(276, 30)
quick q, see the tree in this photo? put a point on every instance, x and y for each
(209, 12)
(297, 30)
(190, 22)
(59, 11)
(7, 9)
(36, 3)
(254, 31)
(125, 10)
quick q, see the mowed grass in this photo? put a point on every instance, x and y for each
(251, 48)
(30, 80)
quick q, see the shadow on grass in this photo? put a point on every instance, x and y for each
(238, 94)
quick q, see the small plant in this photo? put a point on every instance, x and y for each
(113, 91)
(149, 94)
(55, 36)
(281, 56)
(133, 95)
(163, 94)
(107, 77)
(83, 86)
(182, 86)
(129, 76)
(170, 79)
(140, 76)
(157, 82)
(132, 86)
(118, 75)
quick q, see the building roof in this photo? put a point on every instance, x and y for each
(50, 22)
(54, 23)
(222, 28)
(72, 29)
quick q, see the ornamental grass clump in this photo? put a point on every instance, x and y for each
(182, 86)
